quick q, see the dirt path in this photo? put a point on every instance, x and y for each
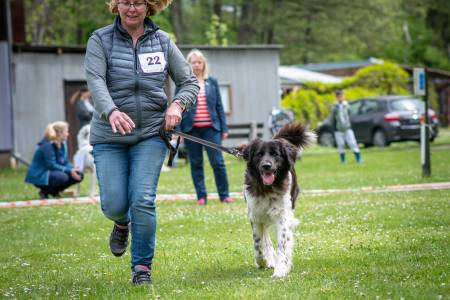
(163, 197)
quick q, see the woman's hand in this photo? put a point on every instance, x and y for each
(121, 122)
(173, 116)
(224, 135)
(75, 174)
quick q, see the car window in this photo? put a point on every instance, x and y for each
(371, 106)
(353, 107)
(410, 104)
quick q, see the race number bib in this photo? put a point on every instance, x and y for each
(152, 62)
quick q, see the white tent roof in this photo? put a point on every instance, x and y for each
(298, 75)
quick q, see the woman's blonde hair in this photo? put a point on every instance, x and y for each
(154, 7)
(52, 129)
(199, 54)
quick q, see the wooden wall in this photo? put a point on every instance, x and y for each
(42, 74)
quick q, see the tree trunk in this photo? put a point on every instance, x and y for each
(217, 8)
(43, 22)
(272, 18)
(307, 39)
(176, 17)
(246, 27)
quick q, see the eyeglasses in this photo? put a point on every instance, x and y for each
(137, 5)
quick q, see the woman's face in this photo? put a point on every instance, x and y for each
(132, 13)
(63, 134)
(198, 65)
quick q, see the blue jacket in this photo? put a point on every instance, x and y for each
(48, 157)
(215, 109)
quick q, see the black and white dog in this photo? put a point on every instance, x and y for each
(270, 190)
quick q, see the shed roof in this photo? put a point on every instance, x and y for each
(293, 74)
(341, 64)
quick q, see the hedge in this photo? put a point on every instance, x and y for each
(313, 101)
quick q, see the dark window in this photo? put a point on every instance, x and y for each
(410, 104)
(354, 107)
(371, 106)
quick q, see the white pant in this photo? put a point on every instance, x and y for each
(346, 137)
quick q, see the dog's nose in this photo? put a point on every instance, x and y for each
(266, 166)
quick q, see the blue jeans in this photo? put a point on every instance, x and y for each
(57, 182)
(128, 177)
(195, 152)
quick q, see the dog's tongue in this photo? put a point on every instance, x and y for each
(268, 179)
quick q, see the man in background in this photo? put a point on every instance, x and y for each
(343, 133)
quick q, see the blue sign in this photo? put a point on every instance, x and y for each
(420, 84)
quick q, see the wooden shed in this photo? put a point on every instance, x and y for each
(44, 78)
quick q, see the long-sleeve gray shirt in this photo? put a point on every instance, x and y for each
(109, 67)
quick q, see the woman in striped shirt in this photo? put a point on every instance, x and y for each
(206, 120)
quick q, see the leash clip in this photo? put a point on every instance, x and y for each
(236, 152)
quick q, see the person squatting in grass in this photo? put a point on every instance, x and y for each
(343, 133)
(50, 169)
(127, 64)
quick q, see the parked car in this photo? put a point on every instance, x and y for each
(382, 120)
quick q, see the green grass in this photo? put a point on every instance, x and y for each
(349, 245)
(390, 245)
(319, 168)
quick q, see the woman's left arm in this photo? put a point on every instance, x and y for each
(186, 87)
(181, 73)
(219, 109)
(74, 171)
(66, 156)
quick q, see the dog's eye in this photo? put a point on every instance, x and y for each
(260, 153)
(273, 153)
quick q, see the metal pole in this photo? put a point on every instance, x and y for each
(11, 79)
(426, 168)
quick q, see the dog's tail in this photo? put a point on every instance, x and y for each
(296, 134)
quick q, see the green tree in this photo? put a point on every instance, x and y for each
(216, 32)
(408, 31)
(70, 22)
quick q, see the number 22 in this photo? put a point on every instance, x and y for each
(153, 60)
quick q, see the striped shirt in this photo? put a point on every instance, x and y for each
(202, 117)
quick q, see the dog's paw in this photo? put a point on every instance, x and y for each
(270, 262)
(263, 263)
(280, 272)
(260, 264)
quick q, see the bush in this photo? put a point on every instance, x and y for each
(314, 100)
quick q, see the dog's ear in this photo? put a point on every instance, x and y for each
(247, 152)
(289, 151)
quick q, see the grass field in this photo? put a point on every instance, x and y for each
(318, 169)
(349, 245)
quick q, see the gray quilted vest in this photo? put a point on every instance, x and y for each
(135, 79)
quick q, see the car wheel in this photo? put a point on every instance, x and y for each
(326, 139)
(379, 139)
